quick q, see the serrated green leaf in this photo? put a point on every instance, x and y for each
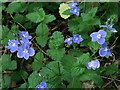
(36, 17)
(56, 54)
(42, 34)
(68, 62)
(56, 40)
(94, 46)
(89, 15)
(84, 58)
(33, 80)
(37, 64)
(13, 65)
(15, 7)
(5, 62)
(75, 83)
(49, 18)
(19, 18)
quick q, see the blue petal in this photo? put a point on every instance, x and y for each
(102, 53)
(31, 52)
(101, 40)
(94, 36)
(102, 33)
(26, 56)
(109, 53)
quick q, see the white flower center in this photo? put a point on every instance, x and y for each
(69, 39)
(76, 39)
(25, 51)
(24, 35)
(99, 36)
(13, 44)
(106, 49)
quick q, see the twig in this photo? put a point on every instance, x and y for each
(110, 78)
(18, 22)
(41, 49)
(112, 46)
(115, 84)
(107, 84)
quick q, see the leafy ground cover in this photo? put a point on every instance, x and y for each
(60, 45)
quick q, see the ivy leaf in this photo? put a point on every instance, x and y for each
(56, 40)
(36, 17)
(42, 34)
(37, 64)
(49, 18)
(56, 54)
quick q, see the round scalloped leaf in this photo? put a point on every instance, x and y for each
(63, 7)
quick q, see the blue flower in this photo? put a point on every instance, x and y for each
(93, 64)
(12, 45)
(99, 36)
(24, 35)
(24, 51)
(68, 40)
(77, 38)
(110, 27)
(75, 11)
(104, 50)
(42, 86)
(72, 5)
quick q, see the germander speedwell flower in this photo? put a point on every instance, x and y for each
(93, 64)
(68, 40)
(12, 45)
(104, 50)
(98, 36)
(77, 38)
(42, 86)
(74, 9)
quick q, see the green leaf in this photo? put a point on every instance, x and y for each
(19, 75)
(13, 65)
(68, 62)
(89, 15)
(75, 83)
(19, 18)
(56, 40)
(56, 54)
(92, 76)
(6, 81)
(94, 46)
(38, 61)
(15, 7)
(84, 58)
(110, 70)
(42, 34)
(36, 17)
(33, 80)
(52, 73)
(24, 85)
(49, 18)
